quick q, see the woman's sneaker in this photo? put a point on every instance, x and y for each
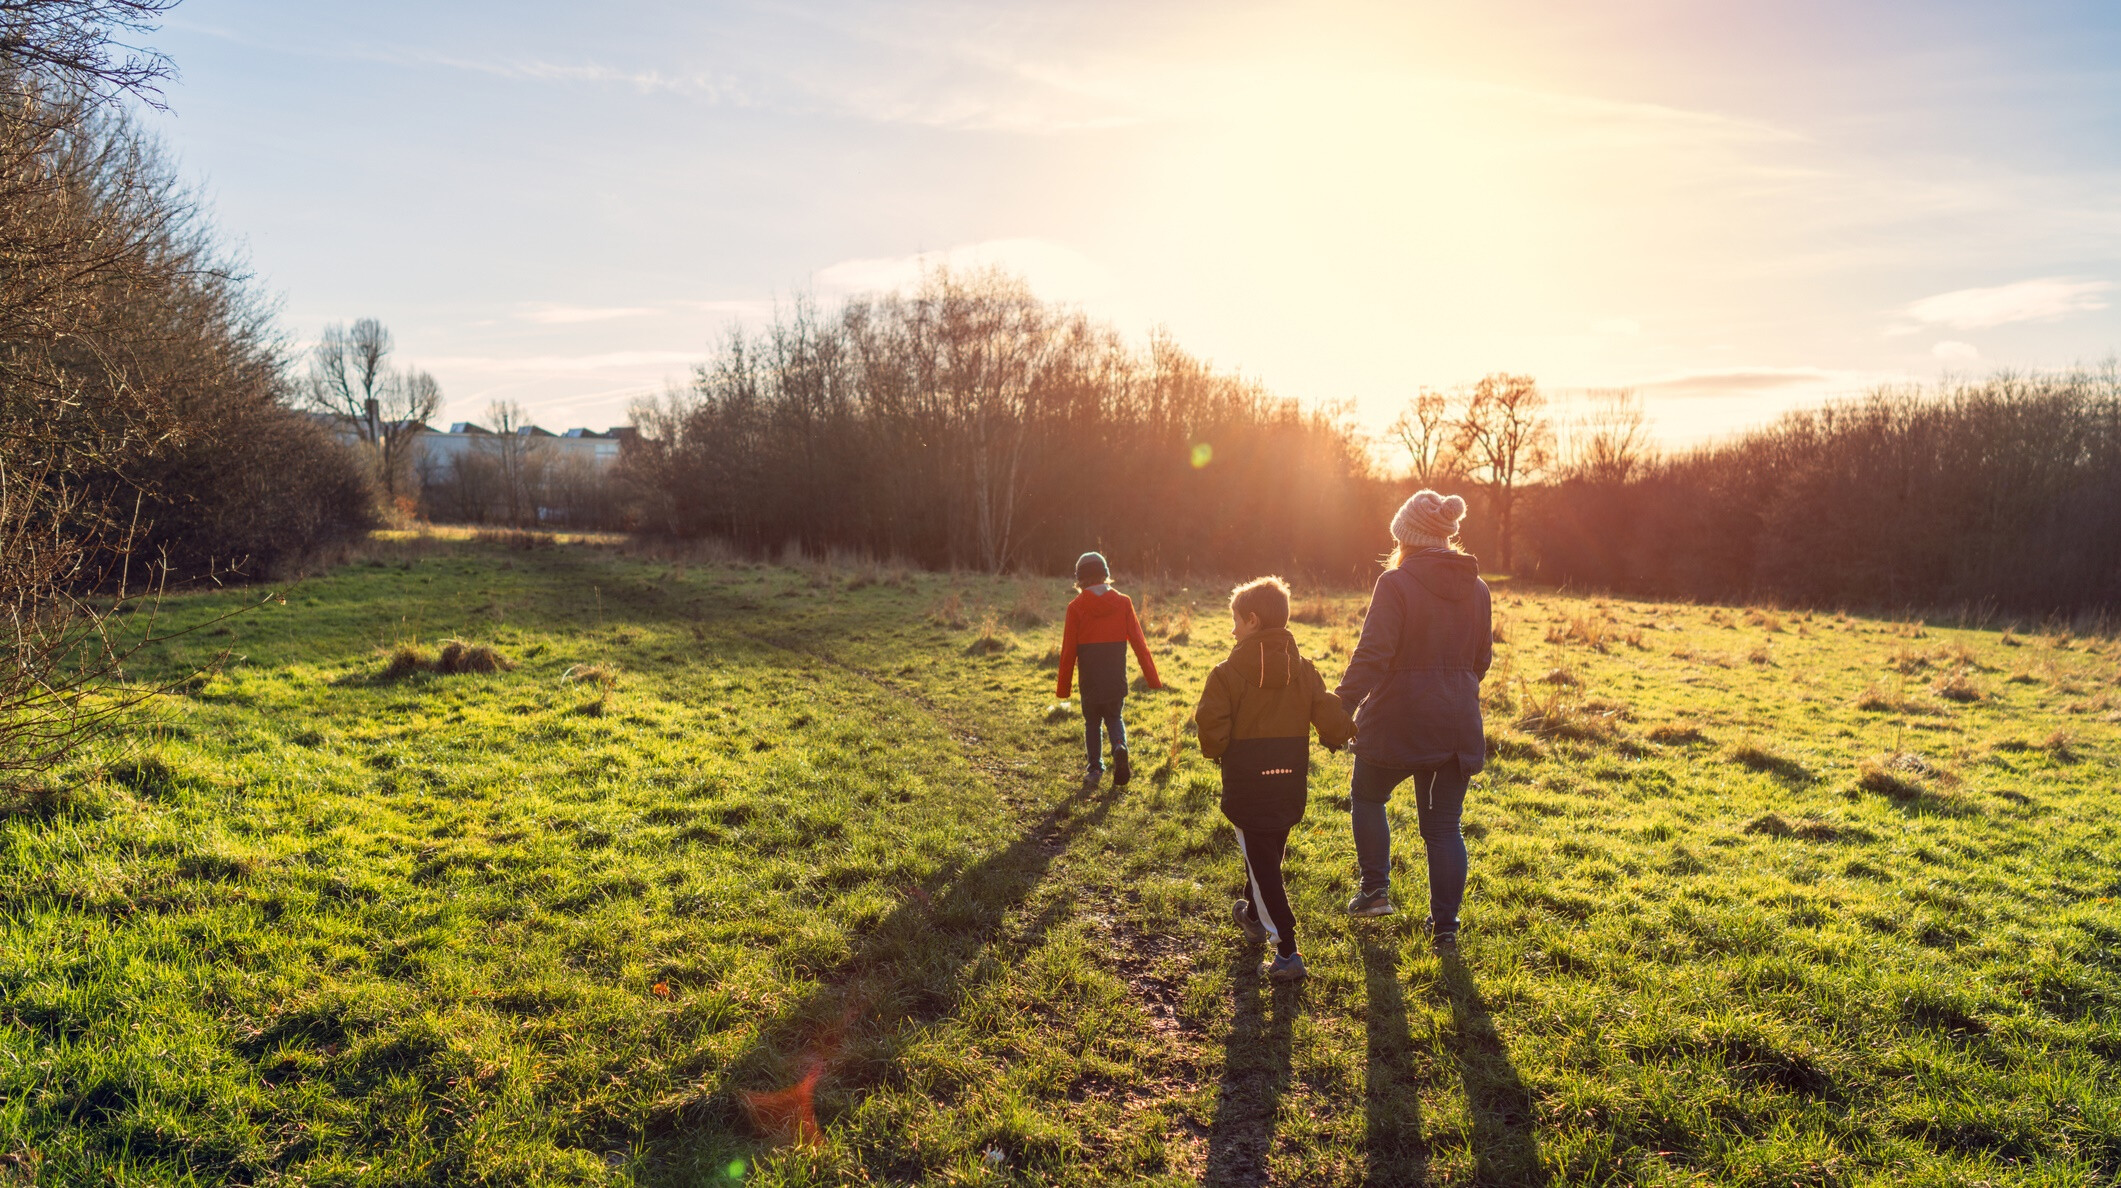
(1371, 903)
(1445, 944)
(1286, 969)
(1242, 912)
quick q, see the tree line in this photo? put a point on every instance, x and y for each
(146, 435)
(967, 423)
(2002, 494)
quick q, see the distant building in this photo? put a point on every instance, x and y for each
(434, 449)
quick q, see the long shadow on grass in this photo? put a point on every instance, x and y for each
(1505, 1149)
(822, 1055)
(1393, 1149)
(1255, 1074)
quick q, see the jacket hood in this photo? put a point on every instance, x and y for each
(1267, 660)
(1109, 605)
(1450, 576)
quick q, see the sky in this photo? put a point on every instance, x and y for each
(1733, 209)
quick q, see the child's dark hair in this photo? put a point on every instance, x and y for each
(1091, 570)
(1267, 597)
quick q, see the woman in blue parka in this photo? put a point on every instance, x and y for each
(1414, 687)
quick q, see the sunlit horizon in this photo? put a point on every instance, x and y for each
(1733, 214)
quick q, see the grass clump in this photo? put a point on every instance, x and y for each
(457, 657)
(1756, 756)
(1803, 828)
(992, 637)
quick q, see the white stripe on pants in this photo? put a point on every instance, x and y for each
(1259, 906)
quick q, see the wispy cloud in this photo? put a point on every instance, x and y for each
(1955, 352)
(579, 364)
(1053, 270)
(547, 314)
(2042, 300)
(1741, 380)
(699, 84)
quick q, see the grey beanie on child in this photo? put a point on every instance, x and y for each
(1428, 520)
(1091, 570)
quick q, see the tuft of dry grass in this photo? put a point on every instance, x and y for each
(1589, 632)
(1676, 734)
(1957, 686)
(1316, 612)
(1181, 629)
(603, 677)
(461, 657)
(992, 637)
(950, 612)
(1552, 715)
(1029, 610)
(1756, 756)
(1907, 661)
(1802, 828)
(1899, 776)
(405, 660)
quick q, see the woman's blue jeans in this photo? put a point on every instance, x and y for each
(1439, 803)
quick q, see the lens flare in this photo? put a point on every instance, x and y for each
(1202, 455)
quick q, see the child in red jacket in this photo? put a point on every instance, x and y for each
(1101, 626)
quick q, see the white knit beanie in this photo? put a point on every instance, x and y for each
(1428, 520)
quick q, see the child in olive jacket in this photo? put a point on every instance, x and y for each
(1100, 628)
(1255, 719)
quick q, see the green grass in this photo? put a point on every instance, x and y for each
(1757, 897)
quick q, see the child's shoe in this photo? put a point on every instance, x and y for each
(1092, 779)
(1286, 969)
(1242, 911)
(1122, 771)
(1443, 941)
(1371, 903)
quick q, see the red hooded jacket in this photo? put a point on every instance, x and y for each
(1100, 628)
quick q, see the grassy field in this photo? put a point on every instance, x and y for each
(784, 875)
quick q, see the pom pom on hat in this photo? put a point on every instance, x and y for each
(1428, 520)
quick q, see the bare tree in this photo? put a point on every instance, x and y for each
(350, 377)
(71, 44)
(1611, 442)
(1506, 437)
(144, 437)
(519, 461)
(1428, 431)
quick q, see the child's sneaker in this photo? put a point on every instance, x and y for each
(1122, 771)
(1286, 969)
(1371, 903)
(1242, 911)
(1092, 779)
